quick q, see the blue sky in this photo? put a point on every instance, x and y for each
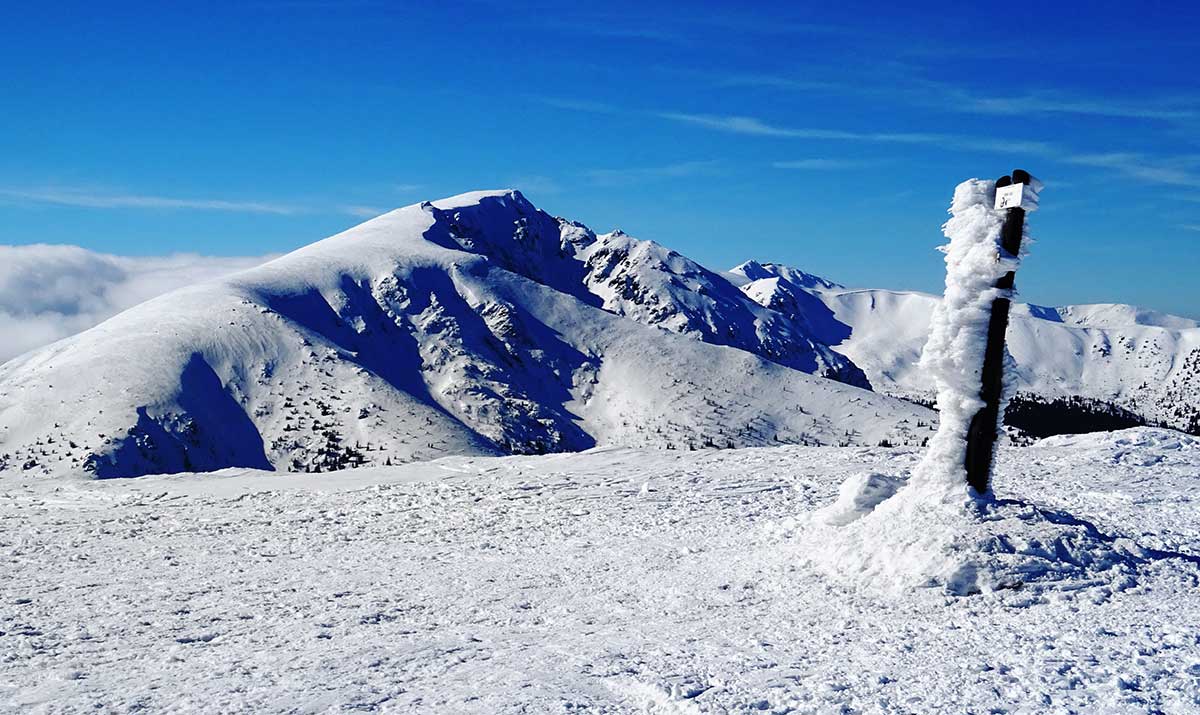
(826, 137)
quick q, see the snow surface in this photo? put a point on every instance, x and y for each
(612, 580)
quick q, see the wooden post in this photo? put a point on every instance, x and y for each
(985, 425)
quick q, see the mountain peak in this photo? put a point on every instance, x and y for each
(473, 324)
(753, 271)
(472, 198)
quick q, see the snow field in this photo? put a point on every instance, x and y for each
(610, 581)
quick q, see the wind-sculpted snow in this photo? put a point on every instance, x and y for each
(610, 581)
(473, 325)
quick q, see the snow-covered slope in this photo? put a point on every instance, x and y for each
(473, 325)
(614, 581)
(1140, 360)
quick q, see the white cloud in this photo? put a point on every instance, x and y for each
(757, 127)
(578, 105)
(753, 126)
(621, 177)
(48, 292)
(105, 199)
(916, 91)
(1172, 171)
(1052, 104)
(1139, 167)
(535, 184)
(826, 164)
(102, 200)
(360, 211)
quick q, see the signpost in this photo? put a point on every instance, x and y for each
(1014, 194)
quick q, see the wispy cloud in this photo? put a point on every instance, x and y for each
(685, 29)
(1138, 166)
(1057, 104)
(611, 28)
(100, 200)
(361, 211)
(756, 24)
(757, 127)
(827, 164)
(1190, 226)
(904, 84)
(535, 184)
(750, 125)
(616, 177)
(578, 105)
(764, 81)
(1172, 171)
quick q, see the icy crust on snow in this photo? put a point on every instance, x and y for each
(934, 531)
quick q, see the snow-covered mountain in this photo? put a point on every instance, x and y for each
(473, 325)
(1141, 361)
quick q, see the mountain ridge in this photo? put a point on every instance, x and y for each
(469, 325)
(479, 324)
(1137, 360)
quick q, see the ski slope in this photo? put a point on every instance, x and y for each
(614, 580)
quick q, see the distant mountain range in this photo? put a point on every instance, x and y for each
(1105, 366)
(479, 324)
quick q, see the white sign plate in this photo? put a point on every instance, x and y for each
(1010, 196)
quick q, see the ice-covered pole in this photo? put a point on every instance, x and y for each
(1013, 194)
(965, 352)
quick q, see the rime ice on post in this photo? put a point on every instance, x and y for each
(965, 353)
(934, 531)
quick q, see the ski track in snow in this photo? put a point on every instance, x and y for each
(610, 581)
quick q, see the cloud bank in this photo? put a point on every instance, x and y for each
(48, 292)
